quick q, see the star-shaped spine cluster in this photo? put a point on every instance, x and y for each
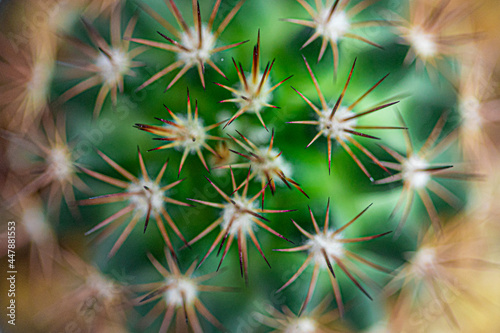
(194, 46)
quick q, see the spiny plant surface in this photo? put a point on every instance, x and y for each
(218, 187)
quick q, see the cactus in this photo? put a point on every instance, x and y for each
(81, 184)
